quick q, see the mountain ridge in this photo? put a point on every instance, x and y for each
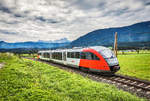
(35, 44)
(139, 32)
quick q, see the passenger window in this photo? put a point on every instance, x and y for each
(83, 55)
(77, 55)
(46, 55)
(60, 56)
(57, 55)
(88, 55)
(68, 54)
(72, 54)
(94, 57)
(39, 53)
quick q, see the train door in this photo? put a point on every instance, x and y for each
(76, 59)
(42, 55)
(73, 59)
(50, 55)
(64, 56)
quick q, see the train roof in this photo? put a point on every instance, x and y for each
(76, 49)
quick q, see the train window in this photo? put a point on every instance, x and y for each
(88, 55)
(57, 55)
(72, 55)
(68, 54)
(77, 55)
(60, 55)
(46, 55)
(83, 55)
(53, 55)
(94, 57)
(39, 53)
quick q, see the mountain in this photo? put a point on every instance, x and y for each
(137, 35)
(63, 40)
(38, 44)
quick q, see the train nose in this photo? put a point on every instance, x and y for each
(114, 68)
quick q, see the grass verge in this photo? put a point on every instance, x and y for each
(22, 79)
(136, 65)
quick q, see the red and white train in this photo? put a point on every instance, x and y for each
(95, 59)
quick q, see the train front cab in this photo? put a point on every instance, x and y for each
(97, 63)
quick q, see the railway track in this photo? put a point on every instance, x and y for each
(139, 84)
(133, 85)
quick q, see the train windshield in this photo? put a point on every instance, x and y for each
(107, 53)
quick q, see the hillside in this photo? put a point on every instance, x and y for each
(137, 35)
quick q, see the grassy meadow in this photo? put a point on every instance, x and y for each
(27, 80)
(136, 65)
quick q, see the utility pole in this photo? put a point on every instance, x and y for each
(115, 44)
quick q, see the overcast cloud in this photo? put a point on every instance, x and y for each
(33, 20)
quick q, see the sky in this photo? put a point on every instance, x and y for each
(33, 20)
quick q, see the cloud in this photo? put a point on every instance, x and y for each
(32, 20)
(7, 32)
(4, 9)
(147, 4)
(8, 22)
(42, 19)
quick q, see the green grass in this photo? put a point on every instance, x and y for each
(136, 65)
(22, 79)
(29, 55)
(133, 52)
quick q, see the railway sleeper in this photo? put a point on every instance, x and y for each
(147, 86)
